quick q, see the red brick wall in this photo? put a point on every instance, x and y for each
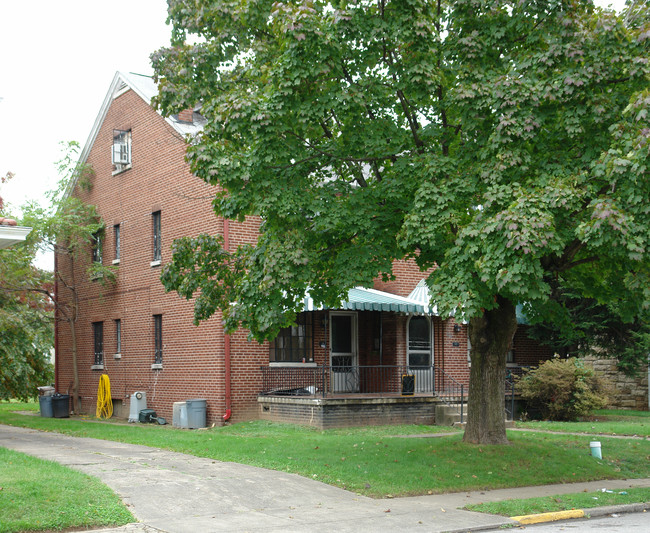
(193, 356)
(528, 352)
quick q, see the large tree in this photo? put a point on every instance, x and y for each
(503, 142)
(71, 231)
(26, 319)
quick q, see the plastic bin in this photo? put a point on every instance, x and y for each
(45, 403)
(179, 419)
(61, 405)
(196, 413)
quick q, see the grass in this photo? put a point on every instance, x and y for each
(43, 495)
(562, 502)
(373, 461)
(604, 422)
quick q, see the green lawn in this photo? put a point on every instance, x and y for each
(605, 422)
(43, 495)
(380, 461)
(563, 502)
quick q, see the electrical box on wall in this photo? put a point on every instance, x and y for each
(138, 403)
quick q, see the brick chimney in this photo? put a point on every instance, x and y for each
(187, 115)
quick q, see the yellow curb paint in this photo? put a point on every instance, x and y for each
(548, 517)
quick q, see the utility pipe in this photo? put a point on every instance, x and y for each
(56, 327)
(226, 338)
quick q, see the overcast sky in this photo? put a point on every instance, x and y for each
(57, 59)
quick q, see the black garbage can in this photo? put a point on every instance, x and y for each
(45, 403)
(61, 405)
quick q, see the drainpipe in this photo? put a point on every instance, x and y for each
(226, 338)
(56, 328)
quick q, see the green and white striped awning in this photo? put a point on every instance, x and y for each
(360, 299)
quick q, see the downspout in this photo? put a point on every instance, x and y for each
(56, 327)
(226, 337)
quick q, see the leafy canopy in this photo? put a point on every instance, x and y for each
(504, 142)
(26, 322)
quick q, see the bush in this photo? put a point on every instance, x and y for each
(563, 389)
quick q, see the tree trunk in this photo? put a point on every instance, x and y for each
(490, 336)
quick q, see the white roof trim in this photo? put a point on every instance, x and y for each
(10, 235)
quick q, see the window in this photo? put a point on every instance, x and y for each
(116, 234)
(157, 335)
(157, 245)
(97, 247)
(118, 336)
(121, 150)
(419, 342)
(98, 335)
(294, 344)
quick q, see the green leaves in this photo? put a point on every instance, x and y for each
(504, 146)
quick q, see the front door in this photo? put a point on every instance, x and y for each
(420, 354)
(343, 355)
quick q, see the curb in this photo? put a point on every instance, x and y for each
(581, 513)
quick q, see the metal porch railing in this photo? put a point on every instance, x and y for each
(328, 380)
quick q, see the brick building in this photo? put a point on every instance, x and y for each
(346, 365)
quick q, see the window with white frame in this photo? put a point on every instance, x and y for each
(118, 336)
(157, 238)
(116, 235)
(157, 335)
(97, 247)
(98, 338)
(121, 150)
(294, 344)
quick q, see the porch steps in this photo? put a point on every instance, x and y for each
(449, 415)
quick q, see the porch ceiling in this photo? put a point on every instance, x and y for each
(360, 299)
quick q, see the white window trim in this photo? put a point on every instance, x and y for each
(293, 365)
(431, 340)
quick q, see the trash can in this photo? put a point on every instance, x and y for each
(45, 403)
(196, 413)
(179, 419)
(61, 405)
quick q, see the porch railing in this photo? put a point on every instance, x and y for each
(451, 392)
(326, 380)
(351, 379)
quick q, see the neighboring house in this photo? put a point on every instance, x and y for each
(383, 357)
(11, 233)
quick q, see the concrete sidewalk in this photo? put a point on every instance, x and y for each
(176, 493)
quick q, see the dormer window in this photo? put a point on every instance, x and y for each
(121, 150)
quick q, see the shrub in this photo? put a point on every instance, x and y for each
(563, 389)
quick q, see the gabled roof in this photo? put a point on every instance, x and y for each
(146, 89)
